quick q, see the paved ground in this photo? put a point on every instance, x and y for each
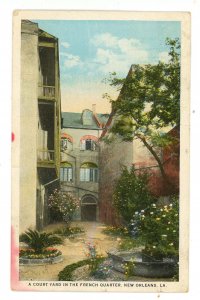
(73, 250)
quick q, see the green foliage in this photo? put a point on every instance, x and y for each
(148, 103)
(128, 269)
(128, 243)
(69, 231)
(67, 273)
(39, 241)
(158, 227)
(62, 205)
(131, 193)
(46, 253)
(150, 95)
(116, 231)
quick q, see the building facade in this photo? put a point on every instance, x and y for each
(40, 124)
(79, 170)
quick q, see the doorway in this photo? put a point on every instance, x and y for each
(89, 208)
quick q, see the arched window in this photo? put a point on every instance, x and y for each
(66, 142)
(89, 172)
(88, 142)
(66, 172)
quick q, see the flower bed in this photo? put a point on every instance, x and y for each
(47, 256)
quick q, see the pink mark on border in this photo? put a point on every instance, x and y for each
(12, 136)
(15, 283)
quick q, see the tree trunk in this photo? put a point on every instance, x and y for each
(160, 164)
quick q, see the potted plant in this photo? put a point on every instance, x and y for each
(39, 249)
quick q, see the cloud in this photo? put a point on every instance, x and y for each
(65, 45)
(71, 60)
(105, 39)
(118, 54)
(164, 57)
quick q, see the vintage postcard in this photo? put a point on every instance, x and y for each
(100, 154)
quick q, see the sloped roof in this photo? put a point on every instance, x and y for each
(74, 120)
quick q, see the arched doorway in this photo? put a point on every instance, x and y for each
(88, 208)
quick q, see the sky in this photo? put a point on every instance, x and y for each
(89, 50)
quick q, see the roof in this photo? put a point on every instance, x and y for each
(74, 120)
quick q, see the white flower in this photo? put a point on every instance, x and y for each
(136, 213)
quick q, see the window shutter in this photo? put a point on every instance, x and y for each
(69, 174)
(82, 145)
(81, 174)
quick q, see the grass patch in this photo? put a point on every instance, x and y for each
(116, 231)
(128, 243)
(69, 231)
(66, 273)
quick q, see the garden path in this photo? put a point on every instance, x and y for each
(73, 250)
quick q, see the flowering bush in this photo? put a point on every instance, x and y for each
(94, 257)
(158, 226)
(62, 205)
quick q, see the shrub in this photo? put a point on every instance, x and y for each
(158, 226)
(39, 241)
(62, 205)
(131, 193)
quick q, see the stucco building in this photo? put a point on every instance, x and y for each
(79, 170)
(40, 123)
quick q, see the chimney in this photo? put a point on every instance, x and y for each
(94, 108)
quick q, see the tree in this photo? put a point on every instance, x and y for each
(131, 193)
(149, 101)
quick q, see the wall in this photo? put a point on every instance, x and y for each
(28, 124)
(112, 158)
(77, 157)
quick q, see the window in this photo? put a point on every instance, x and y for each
(66, 173)
(66, 142)
(88, 145)
(89, 172)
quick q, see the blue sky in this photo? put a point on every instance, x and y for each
(90, 50)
